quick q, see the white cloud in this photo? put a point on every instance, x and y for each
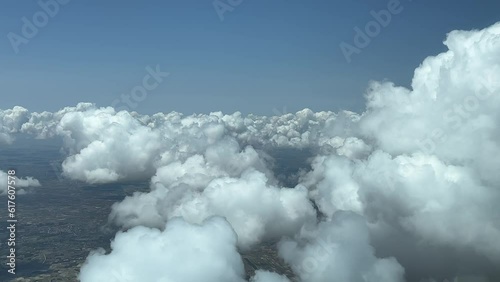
(11, 121)
(418, 193)
(19, 183)
(428, 176)
(266, 276)
(338, 250)
(256, 209)
(182, 252)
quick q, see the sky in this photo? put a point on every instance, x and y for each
(263, 57)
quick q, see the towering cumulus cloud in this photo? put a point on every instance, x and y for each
(432, 181)
(407, 190)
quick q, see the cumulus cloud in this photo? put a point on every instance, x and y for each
(418, 195)
(19, 183)
(107, 146)
(256, 210)
(428, 172)
(452, 111)
(338, 250)
(181, 178)
(11, 121)
(104, 146)
(182, 252)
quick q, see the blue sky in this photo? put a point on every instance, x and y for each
(263, 55)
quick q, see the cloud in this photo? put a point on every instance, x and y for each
(451, 112)
(338, 250)
(19, 183)
(182, 252)
(181, 177)
(11, 121)
(419, 194)
(265, 276)
(196, 190)
(427, 178)
(106, 147)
